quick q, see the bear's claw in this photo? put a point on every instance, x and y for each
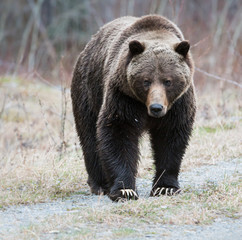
(129, 193)
(123, 195)
(165, 191)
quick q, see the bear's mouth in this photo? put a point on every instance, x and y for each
(156, 115)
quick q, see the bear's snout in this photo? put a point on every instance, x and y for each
(156, 110)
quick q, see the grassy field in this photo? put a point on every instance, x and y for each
(40, 160)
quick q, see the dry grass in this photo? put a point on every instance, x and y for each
(40, 158)
(37, 164)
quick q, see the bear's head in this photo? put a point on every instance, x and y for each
(158, 74)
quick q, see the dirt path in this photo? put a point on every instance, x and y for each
(14, 219)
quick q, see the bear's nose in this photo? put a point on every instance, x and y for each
(156, 108)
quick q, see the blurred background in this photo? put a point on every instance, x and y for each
(40, 37)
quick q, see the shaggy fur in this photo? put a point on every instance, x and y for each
(135, 75)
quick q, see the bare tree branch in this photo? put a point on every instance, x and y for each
(218, 78)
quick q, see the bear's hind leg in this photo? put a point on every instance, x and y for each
(86, 129)
(96, 179)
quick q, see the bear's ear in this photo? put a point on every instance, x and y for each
(136, 47)
(182, 48)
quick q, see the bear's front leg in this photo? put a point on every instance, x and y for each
(168, 146)
(118, 151)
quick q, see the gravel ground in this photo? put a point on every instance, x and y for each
(15, 218)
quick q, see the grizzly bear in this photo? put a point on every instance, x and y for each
(134, 76)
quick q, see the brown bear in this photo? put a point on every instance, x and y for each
(135, 75)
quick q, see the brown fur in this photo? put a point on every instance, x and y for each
(131, 68)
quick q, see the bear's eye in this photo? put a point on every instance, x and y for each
(147, 83)
(167, 83)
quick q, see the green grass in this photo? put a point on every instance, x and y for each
(222, 127)
(124, 232)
